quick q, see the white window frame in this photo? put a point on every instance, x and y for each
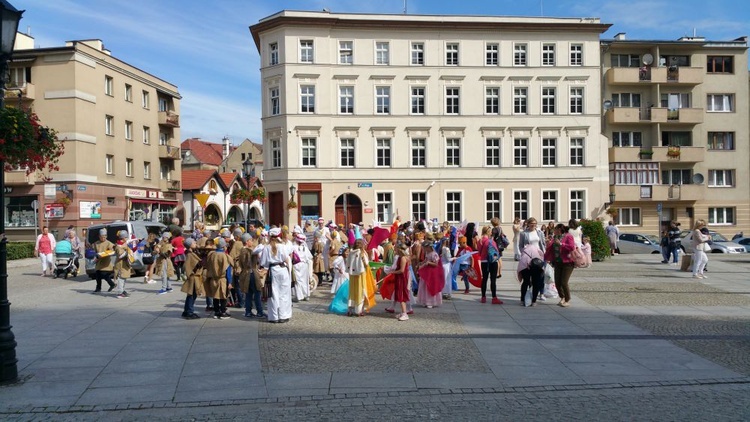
(384, 206)
(128, 167)
(492, 152)
(520, 54)
(641, 173)
(382, 53)
(626, 99)
(451, 54)
(452, 100)
(274, 95)
(346, 52)
(129, 93)
(383, 152)
(576, 100)
(275, 153)
(521, 203)
(521, 100)
(718, 178)
(521, 152)
(306, 51)
(109, 125)
(628, 217)
(550, 197)
(145, 100)
(492, 54)
(128, 130)
(109, 83)
(452, 152)
(309, 145)
(420, 201)
(346, 99)
(147, 170)
(454, 206)
(273, 54)
(576, 54)
(163, 138)
(417, 53)
(418, 151)
(493, 204)
(632, 139)
(492, 100)
(307, 99)
(549, 51)
(146, 135)
(165, 172)
(549, 152)
(383, 100)
(577, 204)
(549, 100)
(109, 164)
(721, 138)
(418, 101)
(577, 152)
(347, 153)
(722, 216)
(720, 103)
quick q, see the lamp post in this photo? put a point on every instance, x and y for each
(292, 191)
(9, 18)
(247, 167)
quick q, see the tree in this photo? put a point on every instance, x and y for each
(26, 144)
(594, 229)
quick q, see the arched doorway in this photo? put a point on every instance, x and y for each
(212, 217)
(349, 211)
(234, 215)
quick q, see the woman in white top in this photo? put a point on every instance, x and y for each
(302, 268)
(516, 232)
(532, 235)
(275, 257)
(576, 231)
(339, 270)
(445, 260)
(699, 244)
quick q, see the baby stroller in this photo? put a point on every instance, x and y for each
(65, 264)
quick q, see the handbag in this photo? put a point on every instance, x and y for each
(705, 247)
(578, 258)
(295, 258)
(527, 298)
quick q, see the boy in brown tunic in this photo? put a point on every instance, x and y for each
(217, 264)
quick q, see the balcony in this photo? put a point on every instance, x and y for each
(626, 76)
(684, 75)
(658, 154)
(169, 118)
(628, 115)
(689, 116)
(27, 91)
(168, 152)
(661, 75)
(170, 185)
(659, 193)
(19, 178)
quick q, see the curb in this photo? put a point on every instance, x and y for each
(20, 263)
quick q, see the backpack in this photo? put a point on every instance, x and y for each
(493, 254)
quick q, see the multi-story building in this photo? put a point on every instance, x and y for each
(368, 117)
(198, 154)
(120, 125)
(677, 117)
(247, 151)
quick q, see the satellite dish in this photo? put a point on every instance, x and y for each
(648, 59)
(607, 105)
(698, 179)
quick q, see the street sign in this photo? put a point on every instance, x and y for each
(202, 198)
(658, 207)
(364, 184)
(35, 204)
(82, 188)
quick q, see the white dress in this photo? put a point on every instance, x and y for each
(280, 302)
(302, 272)
(445, 260)
(339, 273)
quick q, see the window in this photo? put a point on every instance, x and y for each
(307, 99)
(19, 76)
(382, 100)
(147, 170)
(626, 139)
(519, 55)
(720, 64)
(165, 172)
(492, 152)
(576, 151)
(128, 93)
(382, 53)
(418, 152)
(451, 100)
(109, 124)
(275, 153)
(163, 104)
(548, 54)
(275, 101)
(273, 54)
(521, 152)
(636, 173)
(383, 152)
(347, 152)
(419, 206)
(520, 100)
(548, 100)
(576, 54)
(625, 60)
(721, 215)
(626, 100)
(721, 140)
(346, 99)
(676, 177)
(491, 52)
(346, 52)
(492, 205)
(417, 53)
(721, 178)
(147, 135)
(521, 204)
(576, 100)
(576, 204)
(163, 137)
(128, 130)
(309, 152)
(145, 100)
(453, 152)
(453, 207)
(108, 83)
(384, 205)
(451, 54)
(128, 167)
(109, 164)
(417, 100)
(720, 103)
(306, 51)
(629, 217)
(549, 153)
(549, 205)
(492, 101)
(679, 139)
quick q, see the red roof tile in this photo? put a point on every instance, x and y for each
(228, 178)
(196, 179)
(205, 152)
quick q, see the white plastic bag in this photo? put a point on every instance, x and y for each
(550, 291)
(527, 298)
(549, 274)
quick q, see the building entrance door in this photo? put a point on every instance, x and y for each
(348, 209)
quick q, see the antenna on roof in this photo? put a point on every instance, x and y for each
(404, 7)
(541, 7)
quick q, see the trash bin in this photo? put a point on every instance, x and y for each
(687, 262)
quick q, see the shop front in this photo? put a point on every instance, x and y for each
(149, 205)
(21, 213)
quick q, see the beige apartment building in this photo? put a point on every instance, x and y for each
(368, 117)
(121, 130)
(677, 117)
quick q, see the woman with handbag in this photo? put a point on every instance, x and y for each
(700, 247)
(558, 254)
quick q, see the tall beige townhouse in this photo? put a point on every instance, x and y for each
(677, 117)
(369, 117)
(121, 129)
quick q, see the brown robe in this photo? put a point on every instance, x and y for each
(122, 266)
(165, 254)
(194, 278)
(104, 263)
(243, 263)
(215, 282)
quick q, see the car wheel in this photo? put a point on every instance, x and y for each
(655, 252)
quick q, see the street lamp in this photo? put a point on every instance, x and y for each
(292, 191)
(9, 18)
(247, 167)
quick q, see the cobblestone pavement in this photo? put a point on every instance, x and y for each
(665, 293)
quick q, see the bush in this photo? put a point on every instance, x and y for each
(594, 229)
(20, 250)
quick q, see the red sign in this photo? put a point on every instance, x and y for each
(54, 211)
(368, 210)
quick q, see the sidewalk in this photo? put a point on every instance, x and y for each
(93, 352)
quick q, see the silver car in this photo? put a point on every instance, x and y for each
(720, 243)
(744, 241)
(638, 243)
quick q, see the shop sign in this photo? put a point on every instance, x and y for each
(152, 194)
(368, 210)
(8, 189)
(82, 188)
(135, 193)
(50, 191)
(54, 211)
(90, 209)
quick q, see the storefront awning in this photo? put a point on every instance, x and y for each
(153, 201)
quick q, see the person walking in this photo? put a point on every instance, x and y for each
(431, 278)
(193, 285)
(104, 263)
(163, 266)
(276, 257)
(45, 245)
(123, 263)
(558, 254)
(700, 246)
(489, 254)
(302, 268)
(675, 241)
(401, 294)
(218, 264)
(516, 238)
(613, 234)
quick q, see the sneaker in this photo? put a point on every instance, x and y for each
(194, 316)
(496, 301)
(697, 276)
(122, 296)
(248, 314)
(447, 297)
(169, 290)
(224, 316)
(390, 310)
(261, 316)
(145, 280)
(126, 294)
(151, 281)
(97, 291)
(542, 298)
(483, 300)
(209, 309)
(466, 292)
(410, 312)
(217, 316)
(429, 306)
(704, 276)
(403, 317)
(110, 289)
(161, 292)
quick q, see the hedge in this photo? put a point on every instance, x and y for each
(594, 229)
(20, 250)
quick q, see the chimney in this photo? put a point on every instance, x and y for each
(225, 141)
(620, 36)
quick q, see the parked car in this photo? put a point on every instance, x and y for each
(638, 243)
(720, 243)
(140, 229)
(744, 241)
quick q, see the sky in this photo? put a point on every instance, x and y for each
(205, 47)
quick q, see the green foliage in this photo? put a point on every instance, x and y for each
(594, 229)
(24, 143)
(20, 250)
